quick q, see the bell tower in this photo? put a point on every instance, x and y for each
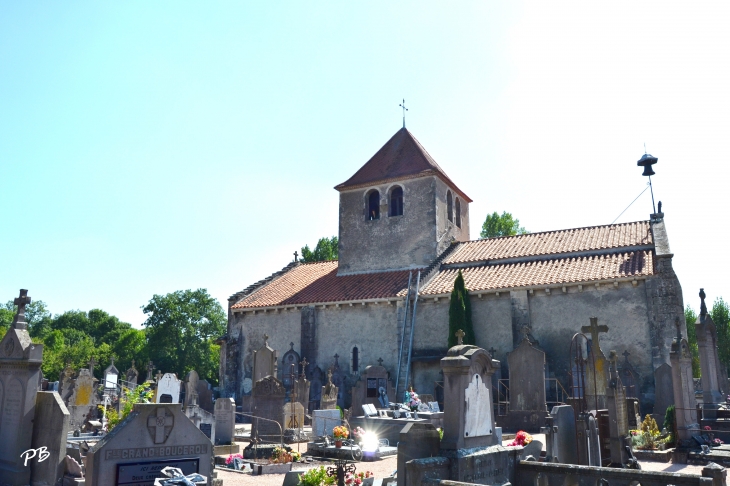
(399, 211)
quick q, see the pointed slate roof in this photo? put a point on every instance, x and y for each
(402, 157)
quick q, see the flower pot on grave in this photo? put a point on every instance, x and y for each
(338, 443)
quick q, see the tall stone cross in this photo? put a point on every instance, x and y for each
(158, 422)
(92, 362)
(21, 301)
(303, 363)
(460, 336)
(337, 362)
(595, 330)
(112, 360)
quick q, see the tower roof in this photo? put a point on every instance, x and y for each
(402, 157)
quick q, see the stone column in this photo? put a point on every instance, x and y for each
(709, 362)
(468, 401)
(684, 394)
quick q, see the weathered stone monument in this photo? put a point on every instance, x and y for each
(268, 398)
(111, 377)
(302, 387)
(417, 440)
(264, 362)
(617, 416)
(292, 415)
(83, 402)
(289, 361)
(168, 389)
(588, 440)
(597, 367)
(205, 396)
(131, 377)
(712, 379)
(527, 406)
(225, 421)
(663, 390)
(367, 389)
(50, 430)
(684, 395)
(328, 398)
(153, 436)
(191, 388)
(565, 450)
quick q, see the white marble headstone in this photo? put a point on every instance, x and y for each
(168, 385)
(478, 409)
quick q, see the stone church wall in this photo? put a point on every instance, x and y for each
(445, 229)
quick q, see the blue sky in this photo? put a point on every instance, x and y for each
(151, 147)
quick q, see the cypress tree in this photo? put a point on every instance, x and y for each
(460, 313)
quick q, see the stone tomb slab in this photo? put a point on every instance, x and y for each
(151, 437)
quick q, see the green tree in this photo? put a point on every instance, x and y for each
(181, 328)
(460, 313)
(326, 250)
(36, 315)
(720, 314)
(504, 225)
(690, 318)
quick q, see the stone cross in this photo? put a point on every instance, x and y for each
(380, 361)
(158, 375)
(626, 354)
(337, 357)
(303, 363)
(92, 362)
(150, 369)
(703, 307)
(112, 360)
(21, 301)
(460, 336)
(159, 422)
(595, 330)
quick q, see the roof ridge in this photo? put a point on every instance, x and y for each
(255, 286)
(556, 231)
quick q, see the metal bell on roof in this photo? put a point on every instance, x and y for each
(646, 161)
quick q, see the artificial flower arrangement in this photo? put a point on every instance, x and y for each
(522, 438)
(281, 456)
(648, 437)
(411, 400)
(357, 433)
(229, 461)
(340, 432)
(357, 479)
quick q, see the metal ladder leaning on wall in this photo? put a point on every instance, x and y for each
(406, 341)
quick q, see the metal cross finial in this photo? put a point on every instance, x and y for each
(92, 362)
(337, 362)
(296, 256)
(21, 301)
(403, 105)
(303, 363)
(703, 307)
(595, 330)
(626, 354)
(380, 361)
(460, 336)
(112, 359)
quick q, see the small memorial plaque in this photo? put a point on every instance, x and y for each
(206, 429)
(145, 473)
(372, 388)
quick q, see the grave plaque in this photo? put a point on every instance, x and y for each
(168, 389)
(151, 437)
(20, 362)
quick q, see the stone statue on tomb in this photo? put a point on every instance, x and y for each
(383, 398)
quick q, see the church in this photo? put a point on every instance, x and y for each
(404, 234)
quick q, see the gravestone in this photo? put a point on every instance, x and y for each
(617, 415)
(597, 367)
(205, 396)
(565, 445)
(550, 431)
(20, 362)
(264, 362)
(50, 430)
(594, 441)
(468, 418)
(684, 395)
(302, 387)
(315, 388)
(328, 397)
(131, 377)
(191, 388)
(663, 390)
(340, 381)
(268, 399)
(629, 376)
(292, 415)
(323, 421)
(712, 378)
(225, 421)
(66, 383)
(633, 413)
(168, 389)
(372, 388)
(83, 402)
(111, 377)
(151, 437)
(416, 441)
(289, 361)
(526, 378)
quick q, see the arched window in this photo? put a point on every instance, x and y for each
(458, 212)
(396, 201)
(449, 206)
(374, 205)
(355, 359)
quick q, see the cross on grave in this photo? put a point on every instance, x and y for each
(626, 355)
(703, 306)
(460, 336)
(613, 359)
(337, 364)
(159, 421)
(112, 359)
(158, 375)
(380, 361)
(21, 301)
(595, 329)
(150, 369)
(303, 363)
(266, 339)
(492, 351)
(92, 363)
(525, 331)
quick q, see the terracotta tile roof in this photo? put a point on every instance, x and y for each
(311, 283)
(554, 242)
(401, 157)
(545, 272)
